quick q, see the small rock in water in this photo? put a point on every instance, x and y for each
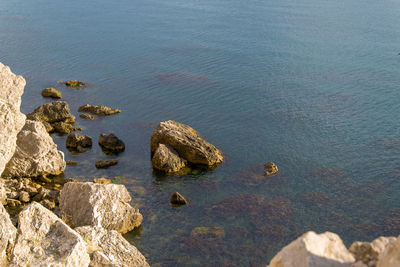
(98, 110)
(71, 162)
(101, 181)
(167, 160)
(74, 83)
(87, 116)
(178, 199)
(270, 168)
(111, 143)
(103, 164)
(78, 142)
(51, 92)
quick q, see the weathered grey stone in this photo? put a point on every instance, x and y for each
(98, 110)
(314, 250)
(7, 236)
(105, 205)
(45, 240)
(110, 246)
(76, 140)
(369, 252)
(391, 255)
(167, 160)
(111, 143)
(52, 112)
(51, 92)
(187, 142)
(11, 119)
(36, 153)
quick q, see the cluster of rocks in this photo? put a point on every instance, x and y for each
(99, 213)
(327, 250)
(174, 145)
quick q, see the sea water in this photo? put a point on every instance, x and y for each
(311, 85)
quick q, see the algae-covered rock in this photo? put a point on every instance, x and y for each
(187, 142)
(314, 250)
(111, 143)
(52, 112)
(45, 240)
(51, 92)
(167, 160)
(109, 248)
(98, 110)
(11, 119)
(105, 205)
(74, 83)
(36, 153)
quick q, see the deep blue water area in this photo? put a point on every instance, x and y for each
(312, 85)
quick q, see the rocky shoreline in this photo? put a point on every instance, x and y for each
(44, 222)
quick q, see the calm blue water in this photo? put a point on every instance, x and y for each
(312, 85)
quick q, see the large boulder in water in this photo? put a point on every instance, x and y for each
(105, 205)
(45, 240)
(109, 248)
(314, 250)
(7, 236)
(187, 142)
(11, 119)
(36, 153)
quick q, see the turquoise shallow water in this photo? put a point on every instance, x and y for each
(310, 85)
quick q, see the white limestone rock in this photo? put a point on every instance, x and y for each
(11, 119)
(45, 240)
(36, 153)
(110, 247)
(100, 205)
(370, 252)
(314, 250)
(391, 255)
(7, 236)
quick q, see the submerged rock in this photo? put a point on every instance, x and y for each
(106, 205)
(78, 141)
(74, 83)
(178, 199)
(270, 168)
(167, 160)
(111, 143)
(45, 240)
(314, 250)
(51, 92)
(87, 116)
(11, 119)
(98, 110)
(109, 248)
(71, 162)
(101, 181)
(52, 112)
(36, 153)
(186, 142)
(7, 236)
(104, 164)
